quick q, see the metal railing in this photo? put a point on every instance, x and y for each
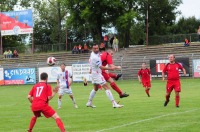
(174, 38)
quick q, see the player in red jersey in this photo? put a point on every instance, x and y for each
(39, 96)
(145, 73)
(106, 58)
(173, 79)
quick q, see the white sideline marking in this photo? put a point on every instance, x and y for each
(140, 121)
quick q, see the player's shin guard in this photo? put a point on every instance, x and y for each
(60, 124)
(177, 100)
(32, 123)
(116, 88)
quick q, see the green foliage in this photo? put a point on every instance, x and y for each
(185, 26)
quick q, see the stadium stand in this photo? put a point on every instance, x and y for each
(130, 59)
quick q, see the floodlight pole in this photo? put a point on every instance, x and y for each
(147, 25)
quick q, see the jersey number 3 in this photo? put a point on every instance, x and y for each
(39, 91)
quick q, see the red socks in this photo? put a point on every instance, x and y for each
(147, 92)
(116, 88)
(112, 75)
(32, 123)
(60, 124)
(177, 100)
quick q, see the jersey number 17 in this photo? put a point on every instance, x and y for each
(39, 91)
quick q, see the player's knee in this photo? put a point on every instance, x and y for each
(110, 80)
(55, 116)
(177, 93)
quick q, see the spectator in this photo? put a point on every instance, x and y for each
(111, 41)
(198, 32)
(10, 54)
(85, 48)
(5, 53)
(102, 47)
(15, 54)
(75, 50)
(187, 43)
(106, 40)
(115, 44)
(80, 48)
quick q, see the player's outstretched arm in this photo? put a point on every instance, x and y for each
(115, 67)
(106, 68)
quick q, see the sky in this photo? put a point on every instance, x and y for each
(189, 8)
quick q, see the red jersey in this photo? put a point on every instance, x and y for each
(145, 73)
(40, 93)
(106, 58)
(172, 71)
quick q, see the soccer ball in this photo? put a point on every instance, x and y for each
(51, 61)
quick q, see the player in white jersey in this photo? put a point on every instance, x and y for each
(98, 79)
(64, 81)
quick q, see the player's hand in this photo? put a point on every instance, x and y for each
(118, 67)
(55, 90)
(163, 79)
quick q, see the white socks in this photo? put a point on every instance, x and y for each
(92, 94)
(59, 103)
(110, 96)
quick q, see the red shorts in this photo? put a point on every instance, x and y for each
(146, 84)
(105, 75)
(175, 84)
(47, 111)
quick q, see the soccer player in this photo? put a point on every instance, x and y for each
(98, 79)
(64, 81)
(106, 58)
(173, 79)
(39, 96)
(145, 73)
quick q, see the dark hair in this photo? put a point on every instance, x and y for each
(43, 76)
(94, 44)
(62, 64)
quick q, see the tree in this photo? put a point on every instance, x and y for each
(162, 14)
(185, 26)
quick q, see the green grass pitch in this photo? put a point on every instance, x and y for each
(139, 114)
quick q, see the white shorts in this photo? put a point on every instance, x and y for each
(115, 46)
(98, 79)
(63, 91)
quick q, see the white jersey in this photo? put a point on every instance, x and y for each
(95, 63)
(63, 78)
